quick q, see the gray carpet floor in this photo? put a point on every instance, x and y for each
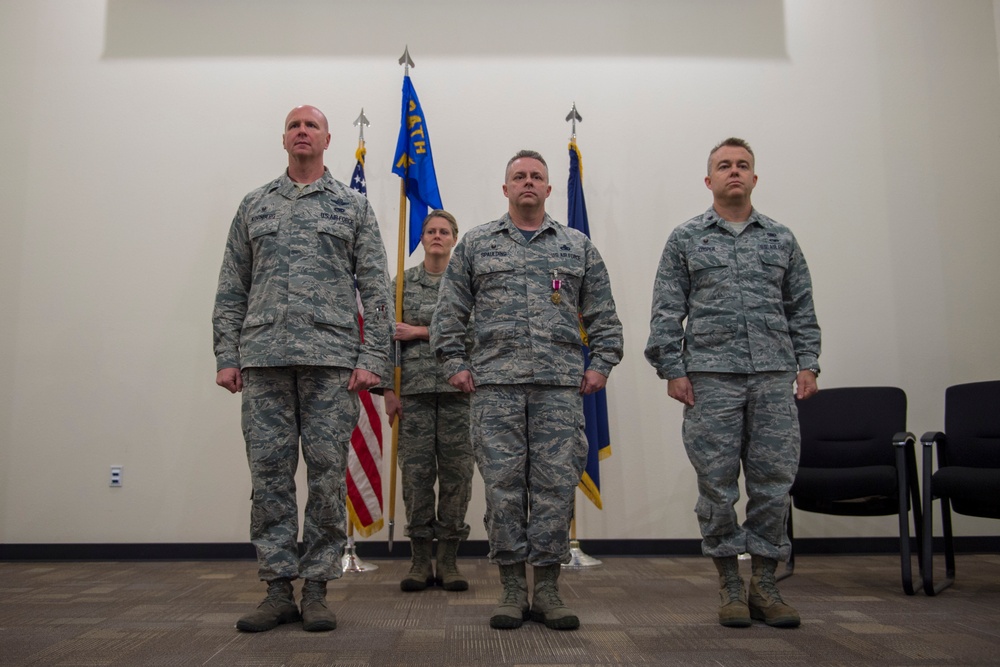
(634, 611)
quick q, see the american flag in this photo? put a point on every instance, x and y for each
(364, 458)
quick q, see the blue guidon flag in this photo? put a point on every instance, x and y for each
(414, 163)
(595, 406)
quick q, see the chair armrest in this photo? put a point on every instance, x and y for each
(906, 471)
(903, 438)
(931, 438)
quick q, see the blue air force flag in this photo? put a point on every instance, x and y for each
(595, 406)
(414, 163)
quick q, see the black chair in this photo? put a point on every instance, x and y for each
(968, 475)
(858, 460)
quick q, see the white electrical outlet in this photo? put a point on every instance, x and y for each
(116, 475)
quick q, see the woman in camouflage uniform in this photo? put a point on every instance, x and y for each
(434, 441)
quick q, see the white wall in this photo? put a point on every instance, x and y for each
(130, 131)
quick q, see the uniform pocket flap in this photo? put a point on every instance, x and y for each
(700, 261)
(497, 332)
(493, 264)
(262, 228)
(566, 334)
(771, 258)
(566, 270)
(341, 228)
(717, 325)
(334, 317)
(258, 319)
(776, 322)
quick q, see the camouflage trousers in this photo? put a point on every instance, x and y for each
(531, 450)
(282, 406)
(434, 446)
(748, 420)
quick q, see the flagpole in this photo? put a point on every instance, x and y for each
(577, 558)
(397, 369)
(407, 62)
(349, 561)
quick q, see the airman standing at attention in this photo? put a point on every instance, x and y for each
(739, 280)
(531, 283)
(286, 335)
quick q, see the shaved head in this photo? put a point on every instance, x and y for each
(306, 108)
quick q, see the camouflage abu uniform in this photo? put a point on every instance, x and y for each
(286, 314)
(527, 413)
(434, 442)
(747, 297)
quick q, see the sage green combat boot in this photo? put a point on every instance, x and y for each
(512, 608)
(448, 575)
(733, 610)
(316, 616)
(764, 600)
(546, 605)
(277, 608)
(421, 574)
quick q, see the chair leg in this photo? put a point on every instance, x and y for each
(902, 490)
(949, 543)
(927, 562)
(915, 501)
(906, 566)
(930, 588)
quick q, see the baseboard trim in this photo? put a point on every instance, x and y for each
(470, 549)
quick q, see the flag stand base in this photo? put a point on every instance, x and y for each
(577, 559)
(350, 561)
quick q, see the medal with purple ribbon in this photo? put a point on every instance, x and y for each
(556, 284)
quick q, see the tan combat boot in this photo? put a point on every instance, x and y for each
(512, 608)
(316, 616)
(733, 610)
(764, 600)
(448, 575)
(546, 605)
(277, 608)
(421, 574)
